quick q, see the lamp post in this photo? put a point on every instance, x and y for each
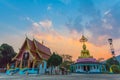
(111, 46)
(115, 61)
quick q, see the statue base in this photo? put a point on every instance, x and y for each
(86, 60)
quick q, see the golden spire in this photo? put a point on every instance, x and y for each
(83, 39)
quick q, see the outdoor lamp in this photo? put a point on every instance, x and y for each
(110, 41)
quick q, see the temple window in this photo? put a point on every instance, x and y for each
(25, 59)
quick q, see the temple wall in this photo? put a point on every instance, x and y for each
(92, 68)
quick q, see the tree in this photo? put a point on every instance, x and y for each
(115, 68)
(67, 61)
(1, 56)
(112, 61)
(66, 57)
(54, 60)
(7, 53)
(113, 64)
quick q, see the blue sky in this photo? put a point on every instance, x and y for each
(97, 19)
(75, 14)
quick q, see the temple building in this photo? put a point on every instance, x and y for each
(86, 63)
(32, 55)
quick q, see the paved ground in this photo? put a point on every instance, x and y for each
(62, 77)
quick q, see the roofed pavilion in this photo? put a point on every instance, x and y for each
(31, 54)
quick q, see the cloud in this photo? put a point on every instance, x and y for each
(98, 22)
(49, 7)
(67, 45)
(111, 20)
(116, 46)
(46, 23)
(97, 26)
(35, 24)
(15, 40)
(42, 26)
(75, 35)
(107, 12)
(66, 41)
(29, 19)
(66, 1)
(83, 17)
(88, 33)
(107, 25)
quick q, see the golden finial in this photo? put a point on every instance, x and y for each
(83, 39)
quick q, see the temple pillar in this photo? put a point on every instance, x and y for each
(28, 63)
(105, 69)
(8, 66)
(16, 64)
(74, 68)
(92, 67)
(21, 64)
(82, 67)
(33, 66)
(100, 68)
(77, 66)
(96, 66)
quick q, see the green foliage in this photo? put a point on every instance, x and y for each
(66, 64)
(113, 64)
(1, 56)
(6, 54)
(112, 61)
(54, 60)
(66, 57)
(115, 68)
(67, 61)
(1, 53)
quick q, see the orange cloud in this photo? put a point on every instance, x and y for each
(62, 43)
(65, 45)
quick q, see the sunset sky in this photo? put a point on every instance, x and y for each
(61, 23)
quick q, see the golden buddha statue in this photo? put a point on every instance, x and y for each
(84, 53)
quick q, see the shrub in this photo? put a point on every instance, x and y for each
(115, 68)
